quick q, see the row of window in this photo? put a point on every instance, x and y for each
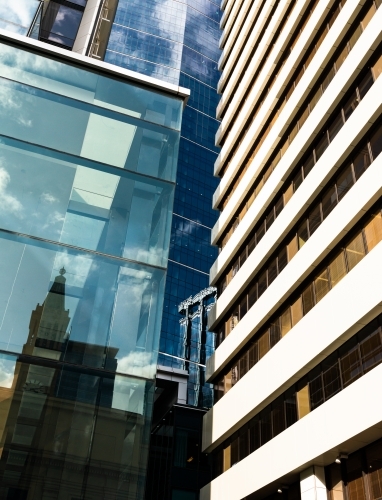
(262, 62)
(304, 112)
(351, 361)
(296, 35)
(353, 168)
(359, 477)
(328, 277)
(227, 31)
(338, 6)
(326, 136)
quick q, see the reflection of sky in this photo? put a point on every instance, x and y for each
(156, 32)
(17, 15)
(65, 26)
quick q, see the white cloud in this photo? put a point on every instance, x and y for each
(7, 369)
(23, 121)
(8, 202)
(137, 363)
(49, 198)
(18, 12)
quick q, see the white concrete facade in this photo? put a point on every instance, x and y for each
(316, 439)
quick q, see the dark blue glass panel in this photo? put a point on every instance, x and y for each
(177, 41)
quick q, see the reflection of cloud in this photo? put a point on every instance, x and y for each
(6, 373)
(7, 98)
(24, 121)
(20, 13)
(7, 201)
(137, 363)
(77, 268)
(48, 197)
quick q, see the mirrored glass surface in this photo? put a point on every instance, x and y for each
(89, 86)
(79, 307)
(85, 130)
(90, 206)
(71, 431)
(17, 16)
(60, 24)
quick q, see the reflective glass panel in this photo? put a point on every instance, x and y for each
(96, 208)
(71, 429)
(79, 307)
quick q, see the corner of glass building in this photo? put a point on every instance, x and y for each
(87, 168)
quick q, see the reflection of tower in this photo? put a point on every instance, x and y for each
(49, 321)
(198, 344)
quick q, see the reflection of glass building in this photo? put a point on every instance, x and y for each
(88, 161)
(198, 345)
(178, 43)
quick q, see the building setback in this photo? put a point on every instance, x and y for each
(297, 368)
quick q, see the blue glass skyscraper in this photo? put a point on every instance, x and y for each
(178, 42)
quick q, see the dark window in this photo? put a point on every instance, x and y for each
(260, 232)
(252, 244)
(308, 298)
(243, 307)
(315, 389)
(254, 435)
(252, 355)
(297, 181)
(302, 234)
(278, 417)
(266, 426)
(365, 85)
(350, 365)
(308, 164)
(275, 332)
(329, 77)
(262, 283)
(243, 256)
(344, 181)
(252, 295)
(335, 126)
(329, 201)
(279, 206)
(321, 146)
(361, 162)
(376, 142)
(272, 271)
(60, 24)
(282, 259)
(243, 365)
(350, 105)
(235, 450)
(371, 346)
(290, 408)
(243, 443)
(314, 219)
(331, 377)
(270, 218)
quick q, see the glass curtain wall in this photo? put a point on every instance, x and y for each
(18, 16)
(87, 171)
(177, 41)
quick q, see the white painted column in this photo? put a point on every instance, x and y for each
(312, 483)
(86, 27)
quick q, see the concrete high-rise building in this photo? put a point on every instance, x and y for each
(297, 368)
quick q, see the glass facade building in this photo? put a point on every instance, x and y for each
(178, 42)
(87, 178)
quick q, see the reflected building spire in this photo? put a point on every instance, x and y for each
(49, 322)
